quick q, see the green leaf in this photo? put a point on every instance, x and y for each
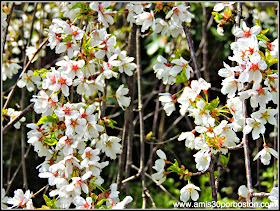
(262, 37)
(50, 141)
(100, 203)
(175, 168)
(272, 62)
(213, 104)
(265, 31)
(217, 15)
(111, 123)
(224, 160)
(182, 78)
(45, 119)
(49, 202)
(79, 5)
(41, 71)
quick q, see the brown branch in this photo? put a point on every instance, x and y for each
(24, 70)
(16, 171)
(161, 187)
(8, 23)
(192, 51)
(129, 111)
(141, 120)
(147, 193)
(15, 120)
(24, 173)
(212, 181)
(260, 195)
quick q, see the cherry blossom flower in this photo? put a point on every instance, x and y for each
(63, 82)
(67, 144)
(220, 6)
(106, 46)
(225, 130)
(4, 199)
(76, 32)
(180, 14)
(162, 27)
(265, 155)
(71, 68)
(20, 198)
(243, 191)
(123, 101)
(107, 71)
(69, 46)
(66, 111)
(230, 86)
(202, 159)
(82, 203)
(181, 64)
(265, 115)
(189, 191)
(123, 203)
(189, 137)
(28, 80)
(110, 145)
(274, 197)
(90, 155)
(14, 114)
(104, 16)
(133, 9)
(255, 126)
(75, 124)
(77, 185)
(146, 19)
(167, 102)
(162, 69)
(159, 167)
(246, 31)
(10, 68)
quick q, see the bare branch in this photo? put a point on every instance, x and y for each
(15, 120)
(24, 70)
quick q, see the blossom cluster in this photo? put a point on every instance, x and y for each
(171, 25)
(217, 127)
(72, 136)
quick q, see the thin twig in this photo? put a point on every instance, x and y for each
(161, 187)
(192, 51)
(15, 120)
(35, 194)
(151, 198)
(261, 195)
(24, 70)
(11, 157)
(16, 171)
(141, 120)
(24, 173)
(7, 27)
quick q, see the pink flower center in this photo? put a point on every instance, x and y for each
(74, 123)
(67, 110)
(254, 67)
(260, 91)
(88, 154)
(68, 141)
(176, 11)
(75, 67)
(69, 44)
(247, 33)
(62, 81)
(75, 33)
